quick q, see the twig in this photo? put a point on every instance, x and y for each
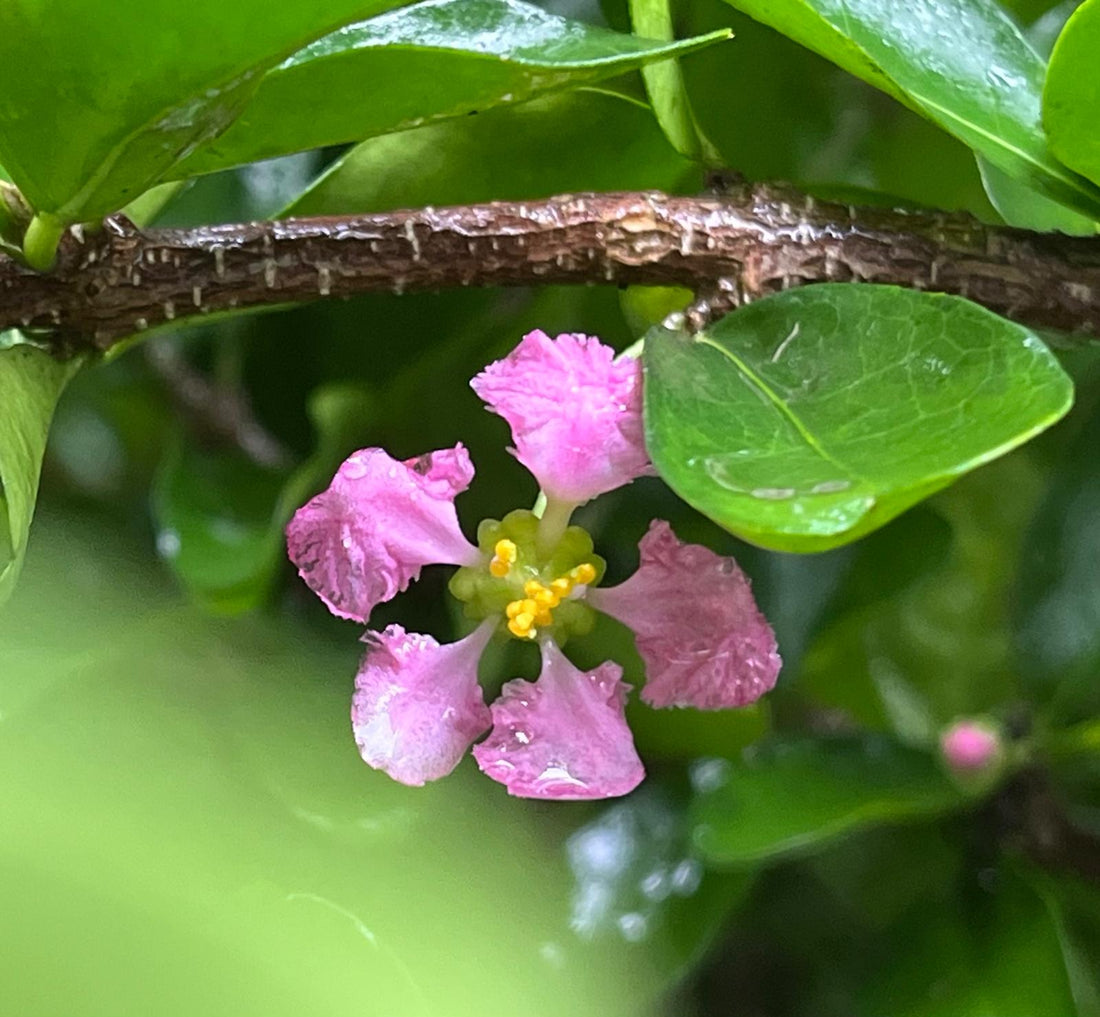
(729, 249)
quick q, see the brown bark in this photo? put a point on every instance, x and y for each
(730, 249)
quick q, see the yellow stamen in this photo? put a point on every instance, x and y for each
(522, 625)
(504, 557)
(584, 574)
(535, 610)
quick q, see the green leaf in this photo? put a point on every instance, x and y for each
(1057, 591)
(808, 419)
(792, 796)
(31, 382)
(489, 53)
(509, 153)
(1075, 908)
(190, 800)
(911, 659)
(991, 949)
(1071, 96)
(220, 516)
(1026, 208)
(962, 63)
(97, 108)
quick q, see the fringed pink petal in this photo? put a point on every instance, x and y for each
(564, 736)
(575, 413)
(366, 538)
(698, 629)
(417, 705)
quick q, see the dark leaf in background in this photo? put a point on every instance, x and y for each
(790, 796)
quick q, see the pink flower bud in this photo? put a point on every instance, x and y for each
(970, 746)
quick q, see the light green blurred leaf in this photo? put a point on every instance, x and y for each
(31, 382)
(791, 796)
(190, 830)
(1071, 96)
(962, 63)
(96, 109)
(428, 62)
(613, 144)
(805, 420)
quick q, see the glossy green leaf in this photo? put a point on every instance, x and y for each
(31, 382)
(220, 516)
(1071, 96)
(787, 797)
(807, 419)
(191, 830)
(96, 109)
(488, 52)
(613, 143)
(777, 111)
(962, 63)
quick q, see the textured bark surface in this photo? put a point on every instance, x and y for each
(730, 249)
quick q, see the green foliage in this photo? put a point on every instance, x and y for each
(788, 796)
(490, 53)
(142, 87)
(1071, 96)
(961, 63)
(804, 420)
(220, 516)
(30, 384)
(506, 153)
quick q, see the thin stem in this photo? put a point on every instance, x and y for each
(552, 523)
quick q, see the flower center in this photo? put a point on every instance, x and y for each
(534, 591)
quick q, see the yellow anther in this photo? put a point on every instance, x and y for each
(523, 625)
(561, 586)
(514, 608)
(583, 574)
(532, 587)
(504, 557)
(547, 599)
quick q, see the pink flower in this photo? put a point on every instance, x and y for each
(575, 414)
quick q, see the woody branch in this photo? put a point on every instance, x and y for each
(730, 249)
